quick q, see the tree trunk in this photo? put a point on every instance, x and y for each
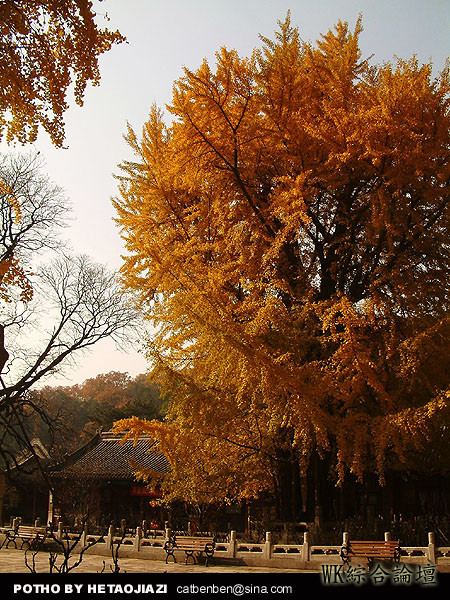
(288, 489)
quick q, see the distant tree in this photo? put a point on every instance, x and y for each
(69, 415)
(45, 47)
(288, 236)
(113, 396)
(110, 388)
(146, 398)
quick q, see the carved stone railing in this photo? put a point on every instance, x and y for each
(150, 544)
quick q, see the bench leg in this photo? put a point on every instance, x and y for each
(11, 540)
(30, 542)
(189, 554)
(345, 558)
(170, 553)
(208, 556)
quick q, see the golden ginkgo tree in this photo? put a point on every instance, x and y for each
(287, 234)
(45, 47)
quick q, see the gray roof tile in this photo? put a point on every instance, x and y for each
(105, 457)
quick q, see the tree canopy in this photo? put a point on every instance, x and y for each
(76, 412)
(287, 234)
(45, 47)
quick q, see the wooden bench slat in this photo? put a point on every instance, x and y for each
(371, 549)
(205, 541)
(373, 544)
(352, 549)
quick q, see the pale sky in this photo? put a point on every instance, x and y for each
(165, 35)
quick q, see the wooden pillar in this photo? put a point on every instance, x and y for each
(2, 495)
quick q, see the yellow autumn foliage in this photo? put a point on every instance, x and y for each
(287, 234)
(45, 46)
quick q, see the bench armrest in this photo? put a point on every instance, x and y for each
(11, 533)
(170, 545)
(210, 547)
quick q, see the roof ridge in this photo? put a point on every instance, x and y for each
(111, 435)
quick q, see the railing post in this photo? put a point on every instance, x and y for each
(83, 536)
(268, 545)
(109, 537)
(137, 539)
(306, 548)
(50, 510)
(168, 534)
(232, 544)
(387, 536)
(431, 554)
(59, 532)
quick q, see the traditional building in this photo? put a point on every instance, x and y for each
(99, 479)
(22, 488)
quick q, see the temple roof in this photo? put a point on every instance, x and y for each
(105, 456)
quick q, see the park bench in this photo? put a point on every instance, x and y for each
(201, 545)
(385, 550)
(33, 536)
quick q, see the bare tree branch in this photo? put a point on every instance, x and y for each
(76, 302)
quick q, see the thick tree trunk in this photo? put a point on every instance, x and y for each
(288, 489)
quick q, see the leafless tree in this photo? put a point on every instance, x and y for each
(75, 304)
(115, 548)
(67, 545)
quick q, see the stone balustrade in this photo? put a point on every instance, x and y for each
(302, 556)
